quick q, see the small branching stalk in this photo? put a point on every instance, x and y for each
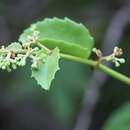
(114, 57)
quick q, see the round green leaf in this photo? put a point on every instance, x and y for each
(70, 37)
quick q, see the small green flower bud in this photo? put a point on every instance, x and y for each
(3, 67)
(122, 60)
(117, 64)
(8, 69)
(34, 66)
(22, 62)
(6, 63)
(2, 47)
(14, 66)
(94, 50)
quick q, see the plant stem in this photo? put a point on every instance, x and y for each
(43, 47)
(93, 63)
(101, 67)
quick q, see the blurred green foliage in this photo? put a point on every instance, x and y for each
(119, 120)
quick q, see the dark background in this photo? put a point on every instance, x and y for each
(26, 106)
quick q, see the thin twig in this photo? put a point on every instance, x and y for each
(98, 66)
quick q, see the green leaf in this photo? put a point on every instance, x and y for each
(119, 120)
(70, 37)
(46, 71)
(15, 46)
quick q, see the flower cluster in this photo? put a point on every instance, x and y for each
(11, 58)
(16, 54)
(114, 57)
